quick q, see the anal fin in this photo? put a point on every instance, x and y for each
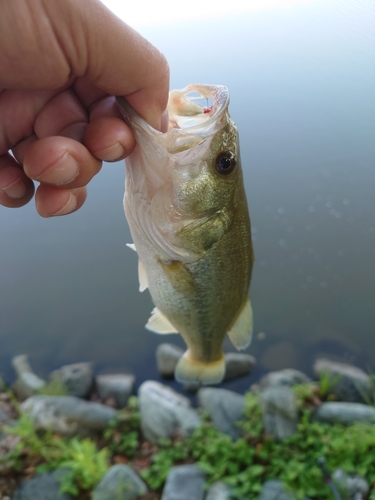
(189, 370)
(158, 323)
(241, 331)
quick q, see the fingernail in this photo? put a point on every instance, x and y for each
(16, 189)
(69, 207)
(60, 173)
(115, 152)
(164, 121)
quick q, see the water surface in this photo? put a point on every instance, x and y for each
(302, 84)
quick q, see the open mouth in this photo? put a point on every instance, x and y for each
(196, 105)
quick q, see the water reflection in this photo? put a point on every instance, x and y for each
(301, 82)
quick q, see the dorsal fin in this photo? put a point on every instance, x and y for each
(241, 331)
(158, 323)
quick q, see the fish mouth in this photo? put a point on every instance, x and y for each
(185, 113)
(190, 123)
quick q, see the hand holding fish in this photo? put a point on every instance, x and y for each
(62, 62)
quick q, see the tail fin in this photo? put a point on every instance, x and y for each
(190, 370)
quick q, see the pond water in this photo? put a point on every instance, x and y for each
(302, 83)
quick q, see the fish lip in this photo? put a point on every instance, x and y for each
(219, 93)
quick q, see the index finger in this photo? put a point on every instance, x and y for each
(121, 62)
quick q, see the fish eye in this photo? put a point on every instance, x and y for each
(225, 162)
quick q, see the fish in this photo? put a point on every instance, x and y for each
(186, 207)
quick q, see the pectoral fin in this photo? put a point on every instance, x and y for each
(158, 323)
(241, 331)
(142, 276)
(179, 276)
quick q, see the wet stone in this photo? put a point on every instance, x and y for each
(21, 364)
(184, 482)
(67, 415)
(238, 365)
(351, 486)
(120, 482)
(42, 487)
(274, 490)
(117, 386)
(225, 409)
(167, 356)
(27, 383)
(279, 408)
(344, 413)
(5, 416)
(3, 384)
(78, 378)
(287, 377)
(219, 491)
(346, 382)
(165, 412)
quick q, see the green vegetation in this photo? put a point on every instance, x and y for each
(54, 388)
(85, 464)
(123, 434)
(327, 382)
(244, 464)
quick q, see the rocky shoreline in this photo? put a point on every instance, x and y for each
(92, 402)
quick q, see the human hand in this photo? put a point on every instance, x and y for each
(62, 62)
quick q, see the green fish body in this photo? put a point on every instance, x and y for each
(186, 207)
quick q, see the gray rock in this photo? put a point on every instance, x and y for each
(5, 418)
(21, 364)
(344, 413)
(274, 490)
(3, 384)
(27, 383)
(120, 482)
(238, 364)
(67, 415)
(78, 378)
(219, 491)
(164, 412)
(351, 486)
(42, 487)
(348, 383)
(118, 386)
(287, 377)
(280, 416)
(192, 387)
(184, 482)
(167, 356)
(225, 409)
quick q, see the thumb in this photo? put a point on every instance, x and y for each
(113, 56)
